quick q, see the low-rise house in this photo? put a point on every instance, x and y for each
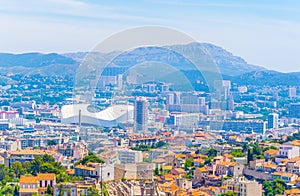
(281, 168)
(287, 177)
(95, 170)
(211, 190)
(27, 155)
(229, 169)
(73, 189)
(293, 165)
(271, 153)
(287, 151)
(198, 162)
(178, 171)
(255, 163)
(28, 185)
(199, 175)
(266, 167)
(183, 183)
(212, 180)
(36, 184)
(292, 192)
(235, 169)
(166, 168)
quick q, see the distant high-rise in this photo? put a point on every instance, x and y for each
(140, 114)
(273, 121)
(294, 110)
(292, 92)
(223, 88)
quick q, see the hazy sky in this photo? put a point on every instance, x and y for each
(263, 32)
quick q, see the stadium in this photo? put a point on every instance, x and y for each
(109, 117)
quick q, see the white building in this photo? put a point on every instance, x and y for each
(287, 151)
(185, 120)
(273, 121)
(129, 156)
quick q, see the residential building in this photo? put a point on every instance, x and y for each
(294, 110)
(133, 171)
(273, 121)
(30, 185)
(73, 189)
(287, 177)
(129, 156)
(27, 155)
(287, 151)
(140, 114)
(98, 171)
(243, 187)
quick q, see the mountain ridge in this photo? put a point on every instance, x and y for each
(231, 67)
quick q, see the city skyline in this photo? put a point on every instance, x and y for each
(262, 33)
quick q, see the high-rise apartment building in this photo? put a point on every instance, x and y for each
(292, 92)
(140, 114)
(273, 121)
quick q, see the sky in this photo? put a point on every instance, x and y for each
(263, 32)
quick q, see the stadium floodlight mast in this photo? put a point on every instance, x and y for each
(135, 41)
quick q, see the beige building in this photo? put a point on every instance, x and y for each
(243, 187)
(133, 171)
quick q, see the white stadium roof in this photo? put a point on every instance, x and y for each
(108, 117)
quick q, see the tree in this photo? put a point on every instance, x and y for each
(16, 191)
(92, 157)
(141, 147)
(92, 192)
(188, 163)
(3, 172)
(237, 153)
(7, 190)
(212, 152)
(26, 166)
(275, 187)
(36, 165)
(18, 169)
(49, 190)
(156, 171)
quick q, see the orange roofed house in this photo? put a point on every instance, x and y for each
(30, 185)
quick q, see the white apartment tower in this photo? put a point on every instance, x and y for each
(273, 121)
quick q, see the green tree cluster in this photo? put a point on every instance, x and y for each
(141, 147)
(275, 187)
(229, 193)
(237, 153)
(91, 157)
